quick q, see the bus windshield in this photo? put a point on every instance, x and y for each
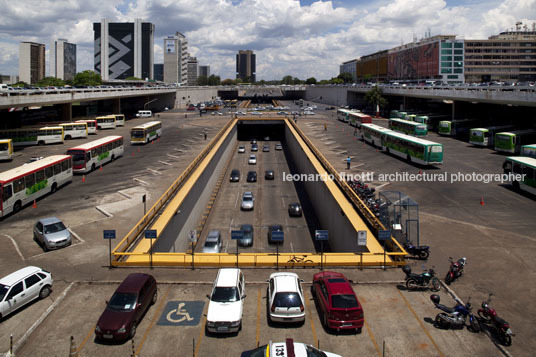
(79, 157)
(4, 146)
(137, 134)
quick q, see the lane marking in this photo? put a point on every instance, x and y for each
(173, 156)
(420, 323)
(315, 338)
(153, 320)
(385, 184)
(15, 244)
(84, 341)
(154, 171)
(165, 163)
(258, 316)
(140, 181)
(201, 331)
(373, 339)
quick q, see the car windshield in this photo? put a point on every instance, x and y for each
(225, 294)
(287, 299)
(54, 227)
(3, 291)
(313, 352)
(122, 302)
(344, 301)
(210, 244)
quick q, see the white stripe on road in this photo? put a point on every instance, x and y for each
(15, 244)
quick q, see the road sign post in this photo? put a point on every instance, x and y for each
(192, 237)
(237, 235)
(109, 234)
(361, 241)
(150, 234)
(144, 199)
(321, 235)
(384, 235)
(277, 237)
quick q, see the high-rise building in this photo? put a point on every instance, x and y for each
(349, 67)
(192, 71)
(124, 50)
(31, 62)
(245, 65)
(204, 71)
(158, 72)
(62, 59)
(176, 59)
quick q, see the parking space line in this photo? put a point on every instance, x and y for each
(153, 320)
(15, 245)
(198, 344)
(372, 339)
(420, 323)
(84, 341)
(315, 338)
(258, 317)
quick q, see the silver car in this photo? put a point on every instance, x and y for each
(52, 233)
(213, 242)
(247, 201)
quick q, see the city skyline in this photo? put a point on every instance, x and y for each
(300, 38)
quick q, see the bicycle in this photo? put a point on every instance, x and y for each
(298, 259)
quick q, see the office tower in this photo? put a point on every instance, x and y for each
(159, 72)
(204, 71)
(192, 71)
(245, 65)
(31, 62)
(62, 59)
(176, 59)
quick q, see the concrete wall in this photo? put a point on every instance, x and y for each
(175, 236)
(330, 95)
(188, 95)
(342, 235)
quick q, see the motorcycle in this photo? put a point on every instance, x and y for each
(420, 251)
(455, 317)
(455, 270)
(489, 317)
(425, 280)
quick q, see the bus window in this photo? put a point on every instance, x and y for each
(517, 169)
(40, 176)
(529, 171)
(49, 172)
(57, 169)
(7, 193)
(29, 180)
(18, 185)
(65, 165)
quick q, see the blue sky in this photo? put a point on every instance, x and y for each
(303, 38)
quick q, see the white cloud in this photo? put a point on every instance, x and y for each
(302, 41)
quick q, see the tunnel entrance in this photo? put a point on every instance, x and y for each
(259, 130)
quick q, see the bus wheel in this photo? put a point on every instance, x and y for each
(67, 137)
(92, 167)
(373, 143)
(41, 142)
(516, 185)
(387, 150)
(54, 187)
(16, 207)
(113, 157)
(408, 158)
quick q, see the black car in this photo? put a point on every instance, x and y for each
(294, 210)
(247, 241)
(274, 228)
(252, 176)
(254, 147)
(269, 175)
(235, 175)
(266, 148)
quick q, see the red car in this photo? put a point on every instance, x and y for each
(337, 301)
(127, 307)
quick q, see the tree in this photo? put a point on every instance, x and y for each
(367, 78)
(132, 78)
(87, 78)
(374, 97)
(202, 80)
(21, 84)
(50, 81)
(336, 80)
(346, 77)
(287, 80)
(228, 82)
(213, 80)
(311, 80)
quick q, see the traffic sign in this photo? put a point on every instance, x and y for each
(384, 235)
(192, 236)
(109, 233)
(237, 234)
(150, 234)
(362, 238)
(321, 234)
(278, 236)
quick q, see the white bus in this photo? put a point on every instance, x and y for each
(74, 130)
(6, 149)
(372, 133)
(522, 166)
(105, 122)
(34, 136)
(144, 133)
(23, 184)
(89, 156)
(119, 119)
(344, 114)
(91, 125)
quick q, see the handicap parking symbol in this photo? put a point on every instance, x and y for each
(181, 313)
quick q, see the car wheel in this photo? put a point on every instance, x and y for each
(54, 187)
(132, 330)
(155, 296)
(325, 321)
(45, 291)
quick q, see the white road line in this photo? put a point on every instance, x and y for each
(15, 244)
(173, 156)
(76, 235)
(231, 225)
(385, 184)
(140, 181)
(154, 171)
(165, 163)
(104, 212)
(237, 195)
(41, 319)
(291, 247)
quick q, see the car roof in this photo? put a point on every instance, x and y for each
(49, 220)
(132, 283)
(16, 276)
(213, 234)
(285, 281)
(227, 277)
(336, 283)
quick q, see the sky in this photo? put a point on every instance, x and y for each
(301, 38)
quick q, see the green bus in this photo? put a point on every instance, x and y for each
(456, 127)
(412, 149)
(485, 136)
(523, 166)
(528, 150)
(431, 120)
(373, 134)
(408, 127)
(344, 114)
(512, 141)
(393, 114)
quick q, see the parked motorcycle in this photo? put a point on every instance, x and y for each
(455, 270)
(455, 317)
(489, 317)
(420, 251)
(425, 280)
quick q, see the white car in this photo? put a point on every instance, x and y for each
(226, 302)
(308, 112)
(252, 159)
(286, 349)
(22, 287)
(248, 201)
(241, 149)
(285, 297)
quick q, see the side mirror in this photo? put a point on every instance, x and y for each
(351, 281)
(301, 280)
(243, 297)
(106, 302)
(208, 296)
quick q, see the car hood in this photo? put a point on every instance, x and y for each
(113, 320)
(54, 237)
(224, 311)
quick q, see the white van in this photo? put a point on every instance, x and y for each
(226, 302)
(144, 114)
(22, 287)
(3, 87)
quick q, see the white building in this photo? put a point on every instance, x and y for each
(176, 59)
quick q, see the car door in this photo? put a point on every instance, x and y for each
(14, 298)
(323, 297)
(242, 289)
(38, 230)
(33, 285)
